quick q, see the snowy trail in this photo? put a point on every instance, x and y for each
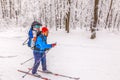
(75, 55)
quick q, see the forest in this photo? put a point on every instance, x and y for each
(83, 41)
(91, 15)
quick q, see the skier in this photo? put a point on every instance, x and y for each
(39, 51)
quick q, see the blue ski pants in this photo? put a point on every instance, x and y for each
(39, 56)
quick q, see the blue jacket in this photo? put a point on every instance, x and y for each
(41, 43)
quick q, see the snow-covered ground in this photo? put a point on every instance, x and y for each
(75, 55)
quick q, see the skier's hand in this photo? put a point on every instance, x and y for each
(34, 39)
(54, 44)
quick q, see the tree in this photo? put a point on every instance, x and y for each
(93, 30)
(108, 15)
(68, 18)
(4, 8)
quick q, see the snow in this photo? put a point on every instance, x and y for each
(75, 55)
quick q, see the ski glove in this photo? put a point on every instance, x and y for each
(54, 44)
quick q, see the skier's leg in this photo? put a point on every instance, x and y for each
(44, 67)
(37, 57)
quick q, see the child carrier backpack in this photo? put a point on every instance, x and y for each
(35, 24)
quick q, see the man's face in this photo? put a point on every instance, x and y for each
(46, 33)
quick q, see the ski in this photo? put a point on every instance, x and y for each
(55, 74)
(43, 78)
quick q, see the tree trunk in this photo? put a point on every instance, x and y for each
(2, 9)
(93, 31)
(10, 9)
(118, 24)
(108, 14)
(68, 19)
(115, 20)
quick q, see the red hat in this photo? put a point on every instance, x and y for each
(44, 29)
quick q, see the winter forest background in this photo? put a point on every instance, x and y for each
(66, 14)
(87, 33)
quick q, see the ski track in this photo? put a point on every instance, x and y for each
(8, 56)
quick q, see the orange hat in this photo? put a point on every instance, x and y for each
(44, 29)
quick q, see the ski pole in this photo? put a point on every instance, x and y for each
(25, 74)
(26, 61)
(35, 63)
(32, 58)
(24, 43)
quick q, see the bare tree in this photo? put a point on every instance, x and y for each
(118, 25)
(68, 18)
(93, 31)
(4, 8)
(108, 15)
(12, 9)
